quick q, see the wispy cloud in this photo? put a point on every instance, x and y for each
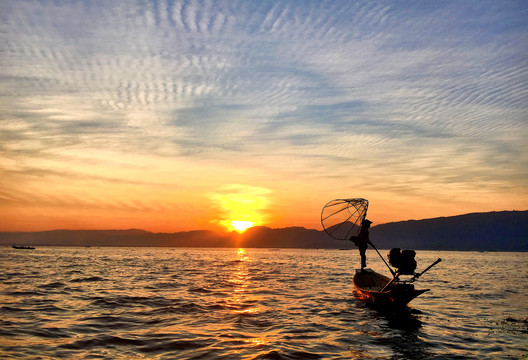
(394, 97)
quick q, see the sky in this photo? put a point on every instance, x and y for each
(181, 115)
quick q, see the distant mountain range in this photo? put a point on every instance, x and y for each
(492, 231)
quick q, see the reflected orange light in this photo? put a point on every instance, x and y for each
(257, 341)
(248, 311)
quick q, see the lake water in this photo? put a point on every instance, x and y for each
(164, 303)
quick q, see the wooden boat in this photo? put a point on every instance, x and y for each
(344, 219)
(379, 289)
(23, 247)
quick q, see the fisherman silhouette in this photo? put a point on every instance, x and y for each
(362, 240)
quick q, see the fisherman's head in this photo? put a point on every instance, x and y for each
(366, 223)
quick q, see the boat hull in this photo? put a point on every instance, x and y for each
(371, 287)
(23, 247)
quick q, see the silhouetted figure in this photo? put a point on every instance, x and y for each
(362, 240)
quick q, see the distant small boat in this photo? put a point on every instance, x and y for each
(23, 247)
(379, 289)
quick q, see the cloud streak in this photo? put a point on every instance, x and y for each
(404, 98)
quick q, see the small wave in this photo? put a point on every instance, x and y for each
(50, 333)
(128, 301)
(186, 308)
(104, 341)
(488, 296)
(103, 319)
(44, 308)
(105, 322)
(73, 265)
(237, 261)
(200, 290)
(74, 272)
(88, 279)
(13, 309)
(48, 308)
(249, 321)
(261, 278)
(215, 307)
(266, 291)
(175, 345)
(25, 293)
(271, 355)
(53, 285)
(167, 285)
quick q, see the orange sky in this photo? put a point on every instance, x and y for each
(162, 195)
(170, 120)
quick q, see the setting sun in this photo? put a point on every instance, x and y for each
(241, 226)
(241, 206)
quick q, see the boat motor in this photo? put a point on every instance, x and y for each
(403, 261)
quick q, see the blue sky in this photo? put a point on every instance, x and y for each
(128, 110)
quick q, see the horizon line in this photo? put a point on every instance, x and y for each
(256, 226)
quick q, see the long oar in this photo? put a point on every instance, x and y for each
(390, 269)
(416, 276)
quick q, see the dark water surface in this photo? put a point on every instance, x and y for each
(162, 303)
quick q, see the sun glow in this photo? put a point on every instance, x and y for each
(241, 206)
(241, 226)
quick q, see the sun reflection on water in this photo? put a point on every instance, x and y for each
(240, 302)
(241, 254)
(250, 303)
(257, 341)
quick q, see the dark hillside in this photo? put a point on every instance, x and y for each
(493, 231)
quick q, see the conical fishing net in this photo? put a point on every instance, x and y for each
(341, 218)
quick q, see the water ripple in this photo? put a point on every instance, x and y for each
(252, 304)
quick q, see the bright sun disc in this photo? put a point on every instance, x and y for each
(241, 225)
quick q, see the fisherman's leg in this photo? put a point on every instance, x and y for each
(363, 258)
